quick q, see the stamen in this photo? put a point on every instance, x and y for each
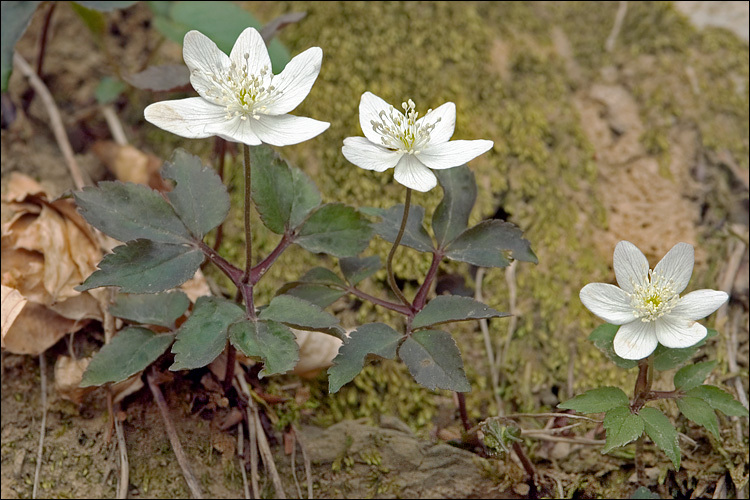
(400, 131)
(654, 298)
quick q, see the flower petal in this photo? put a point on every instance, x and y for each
(452, 154)
(295, 81)
(370, 107)
(411, 173)
(444, 119)
(608, 302)
(369, 156)
(250, 43)
(631, 266)
(193, 117)
(204, 59)
(236, 130)
(677, 265)
(635, 340)
(699, 304)
(678, 333)
(283, 130)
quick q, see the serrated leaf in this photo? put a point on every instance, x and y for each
(447, 308)
(160, 309)
(415, 235)
(451, 217)
(666, 358)
(691, 376)
(700, 412)
(487, 243)
(273, 342)
(372, 338)
(335, 229)
(298, 313)
(603, 337)
(596, 400)
(313, 287)
(127, 211)
(719, 399)
(129, 352)
(355, 269)
(433, 359)
(200, 198)
(143, 266)
(662, 433)
(203, 336)
(622, 427)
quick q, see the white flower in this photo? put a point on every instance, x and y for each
(413, 146)
(241, 100)
(648, 303)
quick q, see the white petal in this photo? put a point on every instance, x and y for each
(251, 43)
(204, 59)
(453, 154)
(677, 265)
(444, 119)
(411, 173)
(294, 83)
(608, 302)
(369, 156)
(631, 266)
(699, 304)
(236, 130)
(283, 130)
(635, 340)
(676, 332)
(193, 117)
(370, 107)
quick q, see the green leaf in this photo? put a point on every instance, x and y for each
(643, 493)
(130, 212)
(273, 342)
(447, 308)
(622, 427)
(662, 433)
(200, 198)
(93, 19)
(490, 244)
(298, 313)
(130, 351)
(14, 19)
(415, 235)
(160, 309)
(355, 269)
(203, 336)
(719, 399)
(691, 376)
(108, 90)
(699, 412)
(433, 359)
(335, 229)
(596, 400)
(314, 287)
(666, 358)
(451, 217)
(372, 338)
(143, 266)
(603, 337)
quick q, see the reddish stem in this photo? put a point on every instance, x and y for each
(421, 297)
(393, 306)
(257, 272)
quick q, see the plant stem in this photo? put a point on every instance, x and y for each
(229, 368)
(257, 272)
(639, 471)
(462, 411)
(393, 306)
(396, 242)
(529, 468)
(421, 297)
(220, 148)
(233, 272)
(247, 287)
(43, 39)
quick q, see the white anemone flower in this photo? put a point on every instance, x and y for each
(410, 144)
(241, 100)
(648, 305)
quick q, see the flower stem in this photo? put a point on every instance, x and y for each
(396, 242)
(247, 287)
(420, 298)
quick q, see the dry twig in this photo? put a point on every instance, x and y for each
(241, 455)
(609, 45)
(40, 452)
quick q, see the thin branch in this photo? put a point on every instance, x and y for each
(483, 325)
(396, 242)
(241, 456)
(510, 281)
(43, 430)
(257, 272)
(393, 306)
(122, 488)
(294, 463)
(421, 297)
(114, 125)
(609, 45)
(306, 459)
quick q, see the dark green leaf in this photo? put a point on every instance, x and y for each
(320, 295)
(603, 336)
(160, 78)
(699, 412)
(433, 359)
(273, 342)
(415, 235)
(130, 351)
(372, 338)
(355, 269)
(662, 433)
(130, 212)
(668, 359)
(451, 217)
(447, 308)
(203, 336)
(142, 266)
(596, 400)
(691, 376)
(335, 229)
(643, 493)
(106, 6)
(719, 399)
(15, 18)
(160, 309)
(200, 198)
(622, 427)
(298, 313)
(108, 90)
(490, 244)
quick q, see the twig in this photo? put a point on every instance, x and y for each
(553, 415)
(241, 455)
(253, 452)
(174, 439)
(265, 452)
(115, 127)
(562, 439)
(122, 489)
(483, 325)
(43, 374)
(294, 464)
(609, 45)
(308, 465)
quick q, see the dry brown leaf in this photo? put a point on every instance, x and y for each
(68, 376)
(37, 329)
(12, 305)
(130, 164)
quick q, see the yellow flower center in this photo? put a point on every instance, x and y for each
(400, 131)
(653, 299)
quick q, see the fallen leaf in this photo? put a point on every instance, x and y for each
(316, 352)
(130, 164)
(12, 305)
(68, 376)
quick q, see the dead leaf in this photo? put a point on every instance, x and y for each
(12, 305)
(129, 164)
(36, 329)
(68, 376)
(316, 352)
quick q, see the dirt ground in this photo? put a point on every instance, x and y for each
(637, 144)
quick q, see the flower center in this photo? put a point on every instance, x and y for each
(653, 299)
(400, 131)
